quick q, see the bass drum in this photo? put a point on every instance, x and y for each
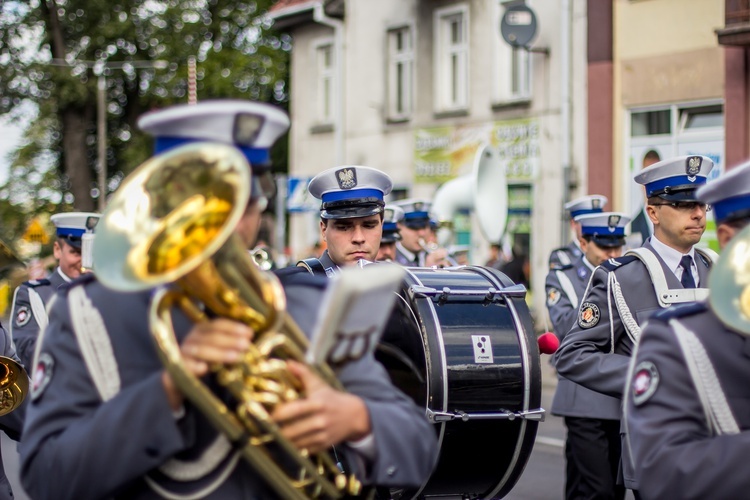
(461, 344)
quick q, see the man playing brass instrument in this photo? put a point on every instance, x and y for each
(686, 404)
(103, 403)
(415, 249)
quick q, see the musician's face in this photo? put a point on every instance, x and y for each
(387, 251)
(350, 240)
(247, 227)
(68, 258)
(596, 254)
(410, 236)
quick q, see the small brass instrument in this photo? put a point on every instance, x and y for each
(729, 284)
(172, 222)
(14, 385)
(262, 258)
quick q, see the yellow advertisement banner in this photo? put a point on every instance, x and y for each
(443, 153)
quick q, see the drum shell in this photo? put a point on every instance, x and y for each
(429, 350)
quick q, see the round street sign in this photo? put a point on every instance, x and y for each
(518, 25)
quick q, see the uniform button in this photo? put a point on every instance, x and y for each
(391, 471)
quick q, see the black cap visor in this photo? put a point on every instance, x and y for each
(349, 209)
(390, 237)
(74, 241)
(678, 193)
(608, 241)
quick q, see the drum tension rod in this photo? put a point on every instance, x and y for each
(440, 416)
(490, 294)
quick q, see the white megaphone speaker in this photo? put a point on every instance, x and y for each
(729, 284)
(484, 191)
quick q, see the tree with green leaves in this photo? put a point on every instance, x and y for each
(52, 52)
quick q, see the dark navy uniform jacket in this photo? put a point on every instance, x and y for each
(674, 452)
(407, 258)
(565, 286)
(565, 256)
(24, 318)
(80, 445)
(596, 351)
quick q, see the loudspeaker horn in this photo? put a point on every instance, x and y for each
(729, 284)
(484, 191)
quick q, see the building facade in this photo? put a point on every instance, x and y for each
(415, 87)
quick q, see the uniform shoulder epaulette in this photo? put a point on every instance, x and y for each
(679, 311)
(560, 267)
(36, 283)
(616, 263)
(297, 275)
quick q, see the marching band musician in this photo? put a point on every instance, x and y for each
(624, 292)
(31, 298)
(686, 407)
(98, 375)
(392, 215)
(415, 229)
(351, 216)
(591, 204)
(592, 419)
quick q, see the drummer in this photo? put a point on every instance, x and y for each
(351, 216)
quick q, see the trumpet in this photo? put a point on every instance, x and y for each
(173, 222)
(261, 255)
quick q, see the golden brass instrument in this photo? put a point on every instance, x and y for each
(173, 222)
(729, 284)
(14, 385)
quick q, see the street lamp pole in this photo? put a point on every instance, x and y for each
(101, 141)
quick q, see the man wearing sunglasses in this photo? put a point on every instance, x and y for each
(686, 406)
(624, 292)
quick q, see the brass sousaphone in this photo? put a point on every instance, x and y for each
(172, 222)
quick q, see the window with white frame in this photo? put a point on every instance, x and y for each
(324, 56)
(511, 66)
(400, 73)
(452, 58)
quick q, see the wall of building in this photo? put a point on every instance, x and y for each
(672, 57)
(370, 139)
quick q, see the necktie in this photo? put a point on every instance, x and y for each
(687, 273)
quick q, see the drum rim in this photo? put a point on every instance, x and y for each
(526, 356)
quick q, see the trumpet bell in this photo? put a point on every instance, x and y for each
(176, 210)
(729, 284)
(14, 385)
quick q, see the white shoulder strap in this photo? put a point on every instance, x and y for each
(38, 309)
(568, 288)
(93, 340)
(665, 295)
(719, 417)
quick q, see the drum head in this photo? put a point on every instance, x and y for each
(457, 354)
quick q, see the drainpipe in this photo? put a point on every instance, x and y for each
(565, 108)
(321, 17)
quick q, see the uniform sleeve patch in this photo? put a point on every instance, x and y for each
(553, 296)
(588, 315)
(42, 374)
(645, 382)
(23, 316)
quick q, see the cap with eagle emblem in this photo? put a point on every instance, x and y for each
(606, 229)
(350, 191)
(675, 179)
